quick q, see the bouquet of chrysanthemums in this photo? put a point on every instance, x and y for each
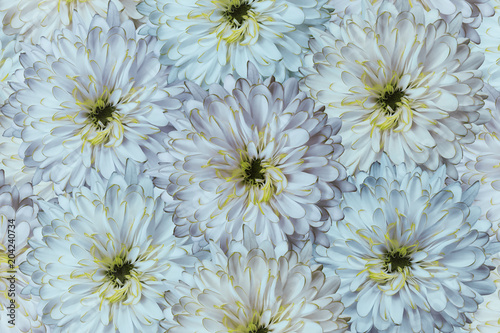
(250, 166)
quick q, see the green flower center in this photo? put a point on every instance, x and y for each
(390, 99)
(119, 272)
(260, 329)
(101, 113)
(237, 13)
(253, 173)
(396, 260)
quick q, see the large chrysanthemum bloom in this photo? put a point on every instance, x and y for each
(33, 19)
(255, 153)
(487, 317)
(90, 99)
(410, 252)
(105, 257)
(402, 83)
(472, 11)
(481, 163)
(17, 219)
(206, 40)
(255, 287)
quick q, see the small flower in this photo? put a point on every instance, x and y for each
(105, 258)
(90, 99)
(410, 252)
(402, 83)
(254, 153)
(255, 288)
(17, 220)
(205, 40)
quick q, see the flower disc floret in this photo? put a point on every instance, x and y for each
(410, 252)
(254, 153)
(402, 82)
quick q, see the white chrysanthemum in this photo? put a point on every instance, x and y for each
(490, 47)
(206, 40)
(105, 257)
(255, 153)
(481, 163)
(9, 63)
(409, 252)
(33, 19)
(255, 288)
(14, 169)
(487, 317)
(402, 83)
(91, 98)
(16, 205)
(472, 11)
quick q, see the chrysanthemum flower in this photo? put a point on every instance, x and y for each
(15, 172)
(206, 40)
(255, 287)
(255, 153)
(481, 163)
(402, 83)
(17, 219)
(9, 63)
(33, 19)
(105, 258)
(487, 317)
(90, 99)
(490, 47)
(409, 252)
(472, 12)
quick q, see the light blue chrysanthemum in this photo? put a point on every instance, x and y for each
(105, 257)
(410, 252)
(206, 40)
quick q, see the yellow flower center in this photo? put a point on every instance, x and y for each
(253, 173)
(237, 12)
(397, 260)
(390, 99)
(101, 113)
(122, 283)
(239, 22)
(261, 179)
(254, 329)
(253, 326)
(104, 123)
(393, 110)
(394, 263)
(119, 272)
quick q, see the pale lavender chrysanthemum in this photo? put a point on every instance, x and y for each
(255, 153)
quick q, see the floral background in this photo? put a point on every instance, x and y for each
(250, 166)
